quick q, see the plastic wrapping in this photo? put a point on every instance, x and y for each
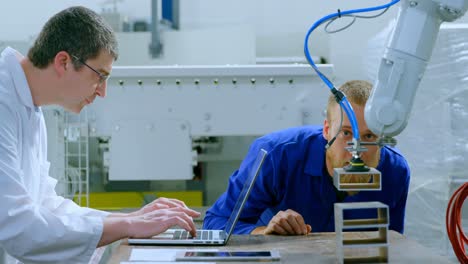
(435, 142)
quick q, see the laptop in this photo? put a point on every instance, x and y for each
(208, 237)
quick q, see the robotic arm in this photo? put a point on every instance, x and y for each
(401, 70)
(405, 60)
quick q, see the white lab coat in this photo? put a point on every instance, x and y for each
(36, 225)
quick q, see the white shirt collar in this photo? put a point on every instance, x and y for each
(12, 59)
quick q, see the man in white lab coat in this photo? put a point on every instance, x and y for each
(68, 65)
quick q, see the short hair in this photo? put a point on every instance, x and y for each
(356, 91)
(77, 30)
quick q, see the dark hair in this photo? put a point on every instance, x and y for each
(357, 92)
(76, 30)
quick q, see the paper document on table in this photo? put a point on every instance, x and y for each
(148, 254)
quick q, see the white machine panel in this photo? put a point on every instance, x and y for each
(150, 150)
(231, 100)
(214, 100)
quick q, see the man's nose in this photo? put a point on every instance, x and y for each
(101, 90)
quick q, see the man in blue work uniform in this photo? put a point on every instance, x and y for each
(294, 192)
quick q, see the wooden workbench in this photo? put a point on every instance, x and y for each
(313, 248)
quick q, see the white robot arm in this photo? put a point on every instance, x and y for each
(404, 62)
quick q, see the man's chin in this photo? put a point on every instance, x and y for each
(74, 109)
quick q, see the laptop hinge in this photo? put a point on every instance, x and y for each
(223, 235)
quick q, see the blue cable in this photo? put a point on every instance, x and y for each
(344, 102)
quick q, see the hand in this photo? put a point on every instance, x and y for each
(149, 221)
(287, 222)
(158, 221)
(165, 203)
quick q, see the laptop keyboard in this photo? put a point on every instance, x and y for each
(201, 235)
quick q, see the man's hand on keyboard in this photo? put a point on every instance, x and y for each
(165, 203)
(157, 221)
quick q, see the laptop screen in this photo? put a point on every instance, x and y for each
(231, 223)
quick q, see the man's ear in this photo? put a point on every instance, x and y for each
(61, 62)
(326, 129)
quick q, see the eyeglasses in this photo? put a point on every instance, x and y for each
(102, 77)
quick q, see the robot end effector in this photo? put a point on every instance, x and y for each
(404, 62)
